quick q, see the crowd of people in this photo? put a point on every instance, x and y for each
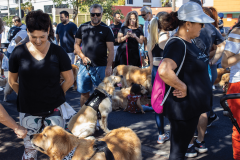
(189, 40)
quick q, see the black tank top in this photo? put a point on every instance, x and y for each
(157, 51)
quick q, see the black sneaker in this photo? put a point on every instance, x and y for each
(211, 120)
(191, 152)
(200, 147)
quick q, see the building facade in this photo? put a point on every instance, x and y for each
(141, 3)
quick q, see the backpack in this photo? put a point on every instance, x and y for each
(158, 89)
(12, 32)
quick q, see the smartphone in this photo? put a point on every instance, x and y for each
(130, 30)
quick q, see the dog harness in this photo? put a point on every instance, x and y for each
(96, 98)
(99, 146)
(70, 155)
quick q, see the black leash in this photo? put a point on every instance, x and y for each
(88, 69)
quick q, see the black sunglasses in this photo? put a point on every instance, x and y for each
(97, 14)
(143, 15)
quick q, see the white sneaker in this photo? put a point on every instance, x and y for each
(163, 138)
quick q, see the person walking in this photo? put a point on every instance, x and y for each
(18, 23)
(209, 36)
(38, 65)
(146, 13)
(65, 33)
(231, 58)
(115, 28)
(129, 36)
(156, 43)
(96, 39)
(190, 94)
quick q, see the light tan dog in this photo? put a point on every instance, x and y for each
(133, 74)
(55, 142)
(220, 72)
(84, 122)
(7, 90)
(224, 83)
(75, 72)
(119, 99)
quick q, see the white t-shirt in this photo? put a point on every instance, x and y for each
(145, 28)
(4, 34)
(234, 47)
(22, 34)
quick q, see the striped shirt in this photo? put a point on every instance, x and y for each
(233, 46)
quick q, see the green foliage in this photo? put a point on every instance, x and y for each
(26, 7)
(84, 5)
(8, 21)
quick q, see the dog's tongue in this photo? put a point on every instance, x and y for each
(119, 85)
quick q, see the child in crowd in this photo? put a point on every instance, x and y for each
(134, 105)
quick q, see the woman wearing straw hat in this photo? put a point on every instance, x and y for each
(191, 90)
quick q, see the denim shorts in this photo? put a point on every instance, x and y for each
(85, 81)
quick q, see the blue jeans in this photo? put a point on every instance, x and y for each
(214, 77)
(158, 117)
(85, 81)
(147, 108)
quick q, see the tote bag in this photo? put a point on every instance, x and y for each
(158, 90)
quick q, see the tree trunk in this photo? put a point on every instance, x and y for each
(173, 5)
(75, 12)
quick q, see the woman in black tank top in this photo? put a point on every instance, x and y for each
(156, 43)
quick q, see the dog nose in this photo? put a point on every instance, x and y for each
(31, 137)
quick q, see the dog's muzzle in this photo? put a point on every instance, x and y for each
(35, 146)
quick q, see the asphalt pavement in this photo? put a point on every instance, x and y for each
(218, 139)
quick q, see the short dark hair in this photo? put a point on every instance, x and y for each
(37, 20)
(96, 6)
(114, 15)
(65, 13)
(16, 18)
(136, 89)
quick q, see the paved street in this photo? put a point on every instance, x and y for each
(218, 139)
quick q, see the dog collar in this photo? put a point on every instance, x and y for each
(70, 155)
(107, 94)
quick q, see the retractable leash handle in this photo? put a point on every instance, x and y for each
(227, 111)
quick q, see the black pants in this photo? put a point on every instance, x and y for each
(181, 134)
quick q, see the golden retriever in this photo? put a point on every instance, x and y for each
(57, 143)
(224, 83)
(119, 99)
(133, 74)
(220, 72)
(84, 122)
(75, 72)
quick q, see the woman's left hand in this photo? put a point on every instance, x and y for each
(179, 94)
(133, 35)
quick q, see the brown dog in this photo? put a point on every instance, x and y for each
(75, 72)
(133, 74)
(119, 99)
(55, 142)
(224, 83)
(220, 72)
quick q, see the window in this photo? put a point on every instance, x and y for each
(235, 15)
(16, 1)
(13, 11)
(146, 1)
(48, 8)
(129, 1)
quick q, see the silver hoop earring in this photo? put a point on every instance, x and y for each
(187, 30)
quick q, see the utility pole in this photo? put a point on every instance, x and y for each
(8, 9)
(173, 5)
(19, 5)
(54, 12)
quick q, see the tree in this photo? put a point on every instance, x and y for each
(84, 5)
(26, 7)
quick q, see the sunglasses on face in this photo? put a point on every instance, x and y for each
(97, 14)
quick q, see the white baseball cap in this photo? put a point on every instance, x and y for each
(193, 12)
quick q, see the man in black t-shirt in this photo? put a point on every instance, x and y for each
(115, 28)
(96, 38)
(65, 32)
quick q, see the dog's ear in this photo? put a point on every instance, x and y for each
(62, 145)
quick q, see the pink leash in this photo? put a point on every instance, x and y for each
(127, 50)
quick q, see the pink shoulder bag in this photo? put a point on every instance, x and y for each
(158, 90)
